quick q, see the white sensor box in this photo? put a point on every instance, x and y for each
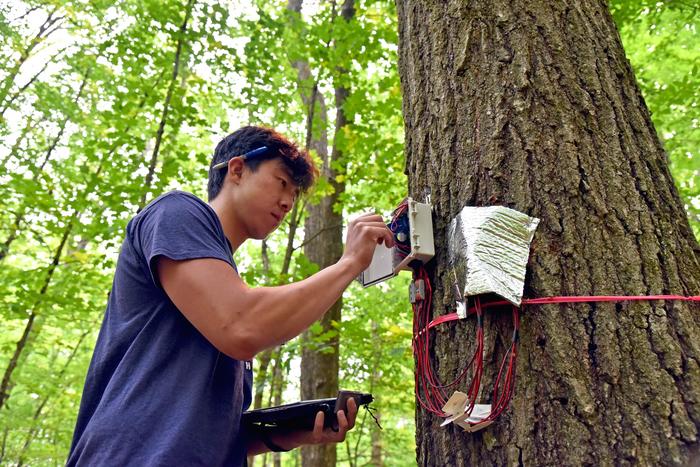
(387, 262)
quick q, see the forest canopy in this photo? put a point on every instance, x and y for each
(106, 105)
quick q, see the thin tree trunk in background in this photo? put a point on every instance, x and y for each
(313, 100)
(19, 214)
(324, 246)
(264, 254)
(42, 404)
(166, 105)
(278, 383)
(30, 124)
(534, 106)
(376, 447)
(6, 105)
(275, 395)
(3, 446)
(263, 363)
(21, 346)
(265, 356)
(12, 236)
(260, 379)
(22, 210)
(375, 433)
(294, 220)
(6, 385)
(62, 127)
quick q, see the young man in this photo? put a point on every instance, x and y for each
(171, 372)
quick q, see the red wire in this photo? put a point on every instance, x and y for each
(504, 383)
(565, 299)
(606, 298)
(432, 398)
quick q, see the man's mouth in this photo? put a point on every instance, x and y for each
(277, 217)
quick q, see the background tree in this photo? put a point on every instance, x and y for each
(533, 105)
(314, 54)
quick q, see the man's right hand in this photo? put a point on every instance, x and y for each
(364, 234)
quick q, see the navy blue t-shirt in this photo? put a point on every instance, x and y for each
(157, 393)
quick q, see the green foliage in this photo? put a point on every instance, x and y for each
(83, 89)
(662, 40)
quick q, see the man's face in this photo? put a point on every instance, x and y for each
(268, 194)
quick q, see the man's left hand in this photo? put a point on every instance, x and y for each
(321, 435)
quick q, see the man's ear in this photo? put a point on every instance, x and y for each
(235, 169)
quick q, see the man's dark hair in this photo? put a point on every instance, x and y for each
(297, 161)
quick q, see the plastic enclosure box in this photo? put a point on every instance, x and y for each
(386, 262)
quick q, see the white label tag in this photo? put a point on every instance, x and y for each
(456, 407)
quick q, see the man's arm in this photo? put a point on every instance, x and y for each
(241, 321)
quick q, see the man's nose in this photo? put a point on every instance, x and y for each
(286, 203)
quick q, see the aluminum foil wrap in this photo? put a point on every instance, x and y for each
(488, 250)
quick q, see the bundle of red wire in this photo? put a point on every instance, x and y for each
(430, 391)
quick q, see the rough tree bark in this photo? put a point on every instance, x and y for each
(533, 105)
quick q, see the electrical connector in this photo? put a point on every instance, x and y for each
(416, 291)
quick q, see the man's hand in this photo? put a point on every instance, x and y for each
(364, 233)
(322, 435)
(319, 435)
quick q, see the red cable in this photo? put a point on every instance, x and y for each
(606, 298)
(428, 381)
(566, 299)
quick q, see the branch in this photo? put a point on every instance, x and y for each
(25, 14)
(37, 413)
(166, 106)
(316, 235)
(265, 257)
(29, 83)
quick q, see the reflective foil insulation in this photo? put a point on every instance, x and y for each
(488, 250)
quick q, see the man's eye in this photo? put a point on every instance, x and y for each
(284, 183)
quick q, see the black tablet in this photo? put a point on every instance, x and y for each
(301, 415)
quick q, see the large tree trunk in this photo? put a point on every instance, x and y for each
(319, 370)
(533, 105)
